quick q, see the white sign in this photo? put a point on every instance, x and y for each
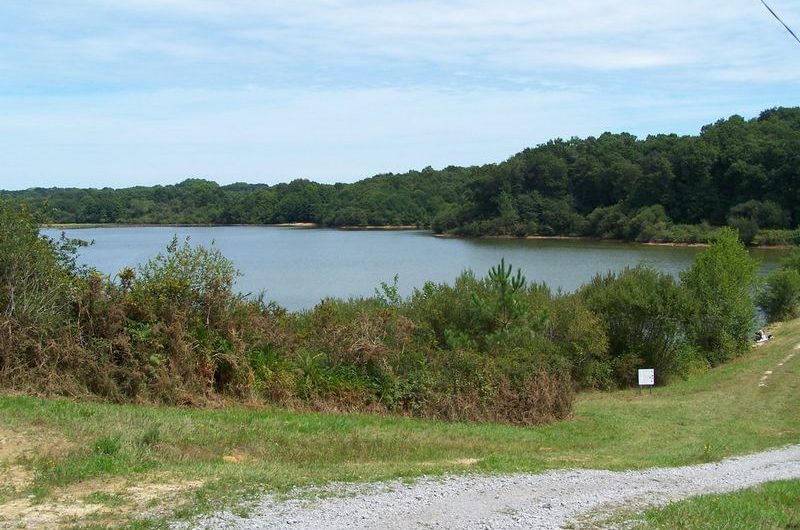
(647, 377)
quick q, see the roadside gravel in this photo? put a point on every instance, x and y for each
(550, 500)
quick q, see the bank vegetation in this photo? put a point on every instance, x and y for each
(492, 348)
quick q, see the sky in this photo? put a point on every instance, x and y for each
(118, 93)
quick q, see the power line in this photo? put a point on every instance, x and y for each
(781, 21)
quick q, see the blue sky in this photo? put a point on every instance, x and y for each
(127, 92)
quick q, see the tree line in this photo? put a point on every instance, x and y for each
(666, 187)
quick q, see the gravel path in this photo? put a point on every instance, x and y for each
(548, 500)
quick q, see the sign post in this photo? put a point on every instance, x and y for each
(647, 377)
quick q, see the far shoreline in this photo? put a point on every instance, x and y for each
(80, 226)
(398, 228)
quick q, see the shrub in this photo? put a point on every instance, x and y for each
(721, 283)
(647, 224)
(765, 214)
(607, 222)
(37, 288)
(746, 228)
(780, 299)
(751, 216)
(482, 349)
(642, 311)
(195, 280)
(579, 336)
(445, 314)
(488, 342)
(777, 237)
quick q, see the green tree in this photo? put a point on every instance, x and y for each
(506, 301)
(648, 223)
(721, 283)
(748, 217)
(508, 216)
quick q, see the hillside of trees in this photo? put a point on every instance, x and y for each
(736, 172)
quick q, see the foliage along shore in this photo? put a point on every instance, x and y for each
(668, 188)
(78, 226)
(704, 243)
(496, 348)
(767, 239)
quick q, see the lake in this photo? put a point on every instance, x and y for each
(297, 267)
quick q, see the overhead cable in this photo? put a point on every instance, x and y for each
(781, 21)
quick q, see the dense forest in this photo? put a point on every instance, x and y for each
(736, 172)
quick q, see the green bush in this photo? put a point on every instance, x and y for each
(777, 237)
(766, 214)
(607, 222)
(642, 311)
(40, 288)
(681, 233)
(751, 216)
(489, 344)
(780, 299)
(579, 337)
(720, 284)
(196, 280)
(647, 224)
(37, 284)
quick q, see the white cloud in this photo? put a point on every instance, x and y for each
(264, 135)
(514, 34)
(156, 90)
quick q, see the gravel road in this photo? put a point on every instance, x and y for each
(549, 500)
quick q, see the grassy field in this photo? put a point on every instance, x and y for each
(771, 506)
(94, 465)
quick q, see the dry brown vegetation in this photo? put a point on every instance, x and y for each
(172, 331)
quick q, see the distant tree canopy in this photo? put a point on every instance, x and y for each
(413, 198)
(745, 173)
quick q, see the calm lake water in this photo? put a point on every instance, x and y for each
(298, 267)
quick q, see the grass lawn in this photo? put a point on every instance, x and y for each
(771, 506)
(112, 463)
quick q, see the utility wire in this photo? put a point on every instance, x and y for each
(781, 21)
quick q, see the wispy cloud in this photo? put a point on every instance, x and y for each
(251, 88)
(296, 39)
